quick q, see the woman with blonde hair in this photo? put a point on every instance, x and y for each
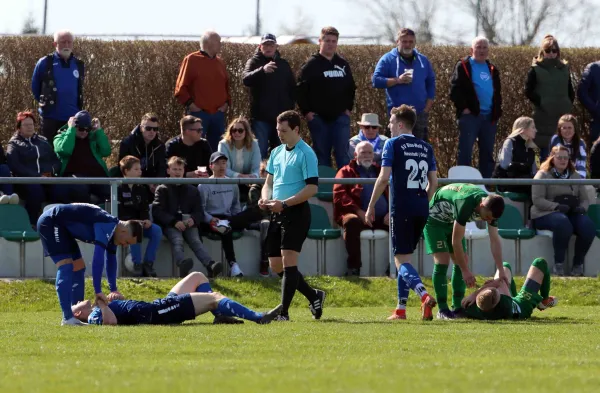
(561, 209)
(550, 91)
(516, 159)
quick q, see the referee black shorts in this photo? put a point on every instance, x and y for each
(288, 229)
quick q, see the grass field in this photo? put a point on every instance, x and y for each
(352, 349)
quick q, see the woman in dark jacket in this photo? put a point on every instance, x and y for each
(30, 155)
(550, 91)
(516, 159)
(6, 190)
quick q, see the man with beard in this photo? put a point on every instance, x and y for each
(408, 78)
(350, 202)
(272, 85)
(412, 166)
(57, 85)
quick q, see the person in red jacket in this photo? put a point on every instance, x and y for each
(350, 202)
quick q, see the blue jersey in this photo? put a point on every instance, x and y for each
(410, 159)
(128, 312)
(87, 223)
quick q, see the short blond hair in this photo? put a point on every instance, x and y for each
(487, 299)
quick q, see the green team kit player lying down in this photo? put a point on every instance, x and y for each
(496, 300)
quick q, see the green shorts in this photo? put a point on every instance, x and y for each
(438, 237)
(524, 303)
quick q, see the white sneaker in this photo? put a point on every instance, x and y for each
(13, 199)
(4, 199)
(235, 270)
(72, 322)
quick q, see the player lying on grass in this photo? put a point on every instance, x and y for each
(190, 297)
(496, 300)
(60, 227)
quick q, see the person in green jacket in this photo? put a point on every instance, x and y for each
(81, 146)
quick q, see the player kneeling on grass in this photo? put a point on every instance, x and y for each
(190, 297)
(496, 300)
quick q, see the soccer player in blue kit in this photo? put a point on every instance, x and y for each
(190, 297)
(412, 166)
(61, 227)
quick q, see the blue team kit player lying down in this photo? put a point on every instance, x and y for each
(190, 297)
(60, 227)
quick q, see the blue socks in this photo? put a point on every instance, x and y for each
(205, 288)
(78, 292)
(231, 308)
(402, 292)
(412, 279)
(64, 287)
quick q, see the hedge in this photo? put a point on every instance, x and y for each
(126, 79)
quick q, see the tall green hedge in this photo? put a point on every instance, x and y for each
(125, 79)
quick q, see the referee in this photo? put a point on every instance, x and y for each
(292, 178)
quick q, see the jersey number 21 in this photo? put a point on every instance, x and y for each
(414, 180)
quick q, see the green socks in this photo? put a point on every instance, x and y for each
(458, 287)
(541, 264)
(513, 285)
(440, 285)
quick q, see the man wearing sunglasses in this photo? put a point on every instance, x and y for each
(81, 147)
(192, 147)
(144, 143)
(369, 132)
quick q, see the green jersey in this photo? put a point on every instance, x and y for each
(503, 310)
(456, 202)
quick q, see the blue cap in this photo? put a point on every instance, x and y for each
(268, 38)
(83, 119)
(217, 156)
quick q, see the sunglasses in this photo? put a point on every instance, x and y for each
(83, 129)
(196, 129)
(238, 130)
(564, 158)
(371, 127)
(148, 128)
(551, 50)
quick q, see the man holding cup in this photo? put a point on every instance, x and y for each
(408, 78)
(192, 147)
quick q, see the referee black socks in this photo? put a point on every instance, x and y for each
(289, 284)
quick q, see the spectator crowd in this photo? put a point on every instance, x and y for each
(67, 141)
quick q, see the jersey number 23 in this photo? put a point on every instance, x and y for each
(416, 179)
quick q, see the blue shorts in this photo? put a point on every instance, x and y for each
(173, 309)
(406, 232)
(57, 241)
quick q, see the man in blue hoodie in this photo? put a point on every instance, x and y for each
(57, 85)
(408, 78)
(589, 95)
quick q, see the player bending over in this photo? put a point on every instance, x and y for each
(190, 297)
(412, 165)
(496, 300)
(61, 227)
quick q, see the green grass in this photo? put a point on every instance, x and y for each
(352, 349)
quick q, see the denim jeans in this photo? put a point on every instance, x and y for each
(482, 129)
(266, 134)
(154, 233)
(7, 189)
(330, 134)
(562, 227)
(214, 126)
(192, 238)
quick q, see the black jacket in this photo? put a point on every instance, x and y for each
(462, 90)
(2, 156)
(535, 98)
(171, 201)
(326, 87)
(152, 156)
(595, 160)
(194, 156)
(133, 202)
(270, 93)
(31, 158)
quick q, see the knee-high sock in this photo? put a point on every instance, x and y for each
(458, 287)
(78, 292)
(206, 288)
(289, 284)
(541, 264)
(412, 279)
(513, 285)
(403, 291)
(303, 287)
(440, 285)
(64, 288)
(232, 308)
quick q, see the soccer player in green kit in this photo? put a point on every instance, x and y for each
(451, 207)
(496, 300)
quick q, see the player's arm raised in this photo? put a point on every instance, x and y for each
(383, 180)
(458, 233)
(496, 249)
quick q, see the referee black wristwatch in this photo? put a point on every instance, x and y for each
(284, 205)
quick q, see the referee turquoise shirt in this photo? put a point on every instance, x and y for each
(292, 169)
